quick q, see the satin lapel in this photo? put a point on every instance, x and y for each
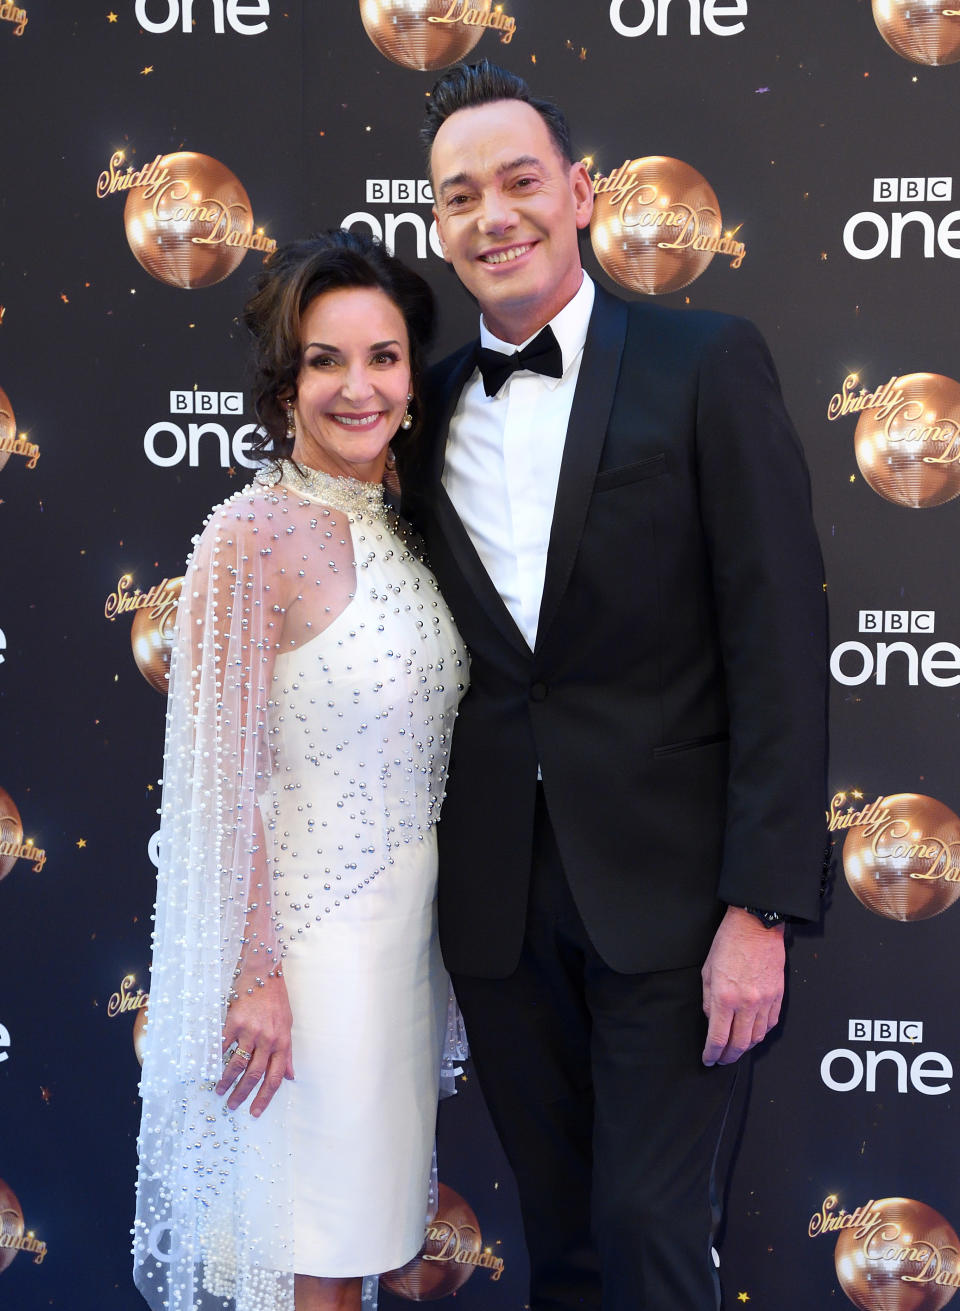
(586, 432)
(455, 536)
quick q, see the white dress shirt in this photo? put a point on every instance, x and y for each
(503, 462)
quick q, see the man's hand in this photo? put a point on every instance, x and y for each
(742, 986)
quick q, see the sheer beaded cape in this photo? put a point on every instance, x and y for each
(277, 566)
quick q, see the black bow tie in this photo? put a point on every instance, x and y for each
(542, 355)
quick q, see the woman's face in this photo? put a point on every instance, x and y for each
(353, 383)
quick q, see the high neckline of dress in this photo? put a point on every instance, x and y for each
(349, 494)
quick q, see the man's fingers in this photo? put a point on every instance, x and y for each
(718, 1031)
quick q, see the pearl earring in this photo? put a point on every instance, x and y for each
(406, 423)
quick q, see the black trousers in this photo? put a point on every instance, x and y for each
(608, 1118)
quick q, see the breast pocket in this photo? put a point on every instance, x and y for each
(651, 467)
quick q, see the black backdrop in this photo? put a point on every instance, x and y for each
(791, 120)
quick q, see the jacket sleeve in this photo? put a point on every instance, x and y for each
(769, 592)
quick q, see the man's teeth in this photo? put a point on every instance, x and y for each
(501, 256)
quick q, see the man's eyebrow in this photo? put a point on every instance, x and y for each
(462, 179)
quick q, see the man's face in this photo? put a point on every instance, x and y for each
(507, 210)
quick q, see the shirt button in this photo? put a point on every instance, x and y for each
(538, 692)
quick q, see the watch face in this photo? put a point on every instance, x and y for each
(768, 918)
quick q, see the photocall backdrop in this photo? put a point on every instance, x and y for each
(790, 162)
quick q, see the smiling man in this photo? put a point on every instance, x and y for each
(618, 513)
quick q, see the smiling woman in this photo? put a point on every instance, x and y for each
(309, 723)
(354, 382)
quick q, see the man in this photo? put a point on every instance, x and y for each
(636, 790)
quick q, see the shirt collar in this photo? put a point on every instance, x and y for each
(569, 327)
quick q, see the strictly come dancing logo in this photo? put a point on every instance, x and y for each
(15, 14)
(188, 219)
(907, 438)
(12, 442)
(154, 615)
(14, 1235)
(432, 34)
(657, 225)
(129, 999)
(452, 1250)
(923, 31)
(13, 845)
(901, 853)
(895, 1254)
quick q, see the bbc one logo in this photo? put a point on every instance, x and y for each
(392, 220)
(664, 17)
(873, 233)
(201, 422)
(901, 660)
(244, 17)
(874, 1060)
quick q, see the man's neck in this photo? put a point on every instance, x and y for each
(517, 325)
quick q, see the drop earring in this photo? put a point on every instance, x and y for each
(406, 423)
(291, 424)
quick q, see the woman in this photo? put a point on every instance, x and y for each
(298, 1001)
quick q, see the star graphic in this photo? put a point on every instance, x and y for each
(111, 18)
(145, 71)
(743, 1297)
(81, 842)
(858, 794)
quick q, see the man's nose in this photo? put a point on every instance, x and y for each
(496, 213)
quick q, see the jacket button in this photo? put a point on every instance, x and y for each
(538, 692)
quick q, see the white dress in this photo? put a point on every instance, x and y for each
(315, 677)
(358, 724)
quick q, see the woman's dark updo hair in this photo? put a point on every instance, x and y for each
(297, 274)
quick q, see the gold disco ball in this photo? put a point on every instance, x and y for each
(435, 1271)
(894, 451)
(140, 1032)
(920, 30)
(151, 637)
(11, 1223)
(11, 830)
(402, 30)
(904, 870)
(872, 1269)
(178, 233)
(644, 229)
(8, 424)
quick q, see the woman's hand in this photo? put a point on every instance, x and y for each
(259, 1022)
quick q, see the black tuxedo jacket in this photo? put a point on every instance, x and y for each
(675, 700)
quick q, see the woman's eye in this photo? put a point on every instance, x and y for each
(320, 361)
(386, 357)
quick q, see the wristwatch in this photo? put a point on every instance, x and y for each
(768, 918)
